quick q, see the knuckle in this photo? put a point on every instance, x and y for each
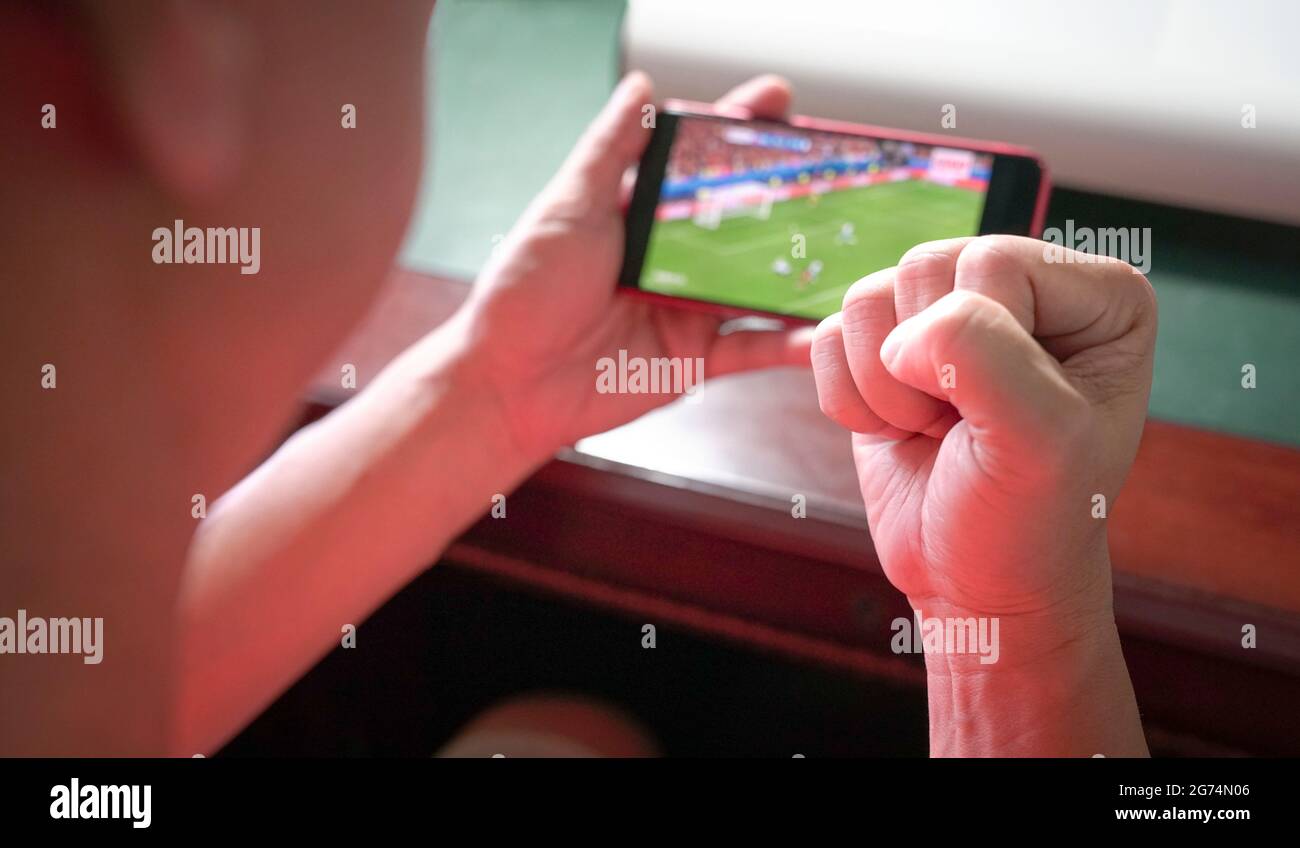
(921, 272)
(866, 296)
(921, 266)
(827, 346)
(966, 316)
(832, 406)
(1133, 306)
(827, 331)
(836, 404)
(986, 256)
(1147, 306)
(825, 358)
(936, 247)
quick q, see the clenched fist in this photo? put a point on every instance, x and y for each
(997, 400)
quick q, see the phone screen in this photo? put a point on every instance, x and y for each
(774, 218)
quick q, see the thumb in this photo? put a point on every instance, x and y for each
(610, 145)
(968, 349)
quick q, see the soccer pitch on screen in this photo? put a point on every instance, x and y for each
(739, 262)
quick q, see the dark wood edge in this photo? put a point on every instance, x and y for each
(1153, 609)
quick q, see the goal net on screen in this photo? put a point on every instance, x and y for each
(747, 199)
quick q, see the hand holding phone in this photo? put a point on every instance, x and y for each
(544, 312)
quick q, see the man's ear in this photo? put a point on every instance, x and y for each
(178, 73)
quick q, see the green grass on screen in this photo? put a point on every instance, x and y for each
(733, 264)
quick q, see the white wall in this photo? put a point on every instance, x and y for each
(1142, 99)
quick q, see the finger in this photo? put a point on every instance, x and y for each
(749, 350)
(594, 170)
(1069, 300)
(766, 96)
(925, 274)
(1012, 394)
(836, 392)
(867, 318)
(1073, 302)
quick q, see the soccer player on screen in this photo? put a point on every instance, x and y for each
(810, 274)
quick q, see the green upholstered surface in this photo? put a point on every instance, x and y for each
(514, 84)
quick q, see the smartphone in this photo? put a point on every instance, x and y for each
(779, 218)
